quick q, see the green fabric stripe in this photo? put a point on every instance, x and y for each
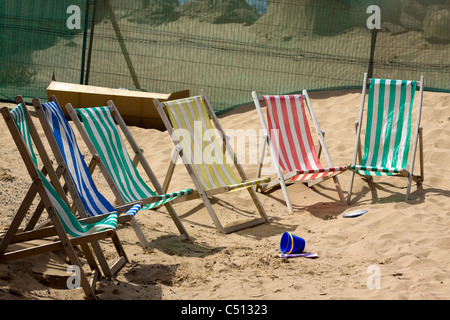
(399, 128)
(19, 117)
(114, 166)
(379, 124)
(368, 126)
(70, 223)
(392, 92)
(377, 154)
(120, 166)
(118, 156)
(408, 139)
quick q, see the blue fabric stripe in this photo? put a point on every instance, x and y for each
(92, 199)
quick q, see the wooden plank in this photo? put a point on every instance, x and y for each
(136, 107)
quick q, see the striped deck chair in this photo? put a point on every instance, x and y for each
(99, 127)
(70, 231)
(388, 131)
(288, 136)
(204, 156)
(87, 198)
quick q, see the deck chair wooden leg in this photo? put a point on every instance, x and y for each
(84, 281)
(18, 218)
(177, 220)
(281, 180)
(417, 140)
(339, 190)
(70, 251)
(261, 159)
(35, 217)
(139, 233)
(92, 265)
(89, 256)
(212, 213)
(258, 205)
(101, 259)
(357, 155)
(286, 195)
(349, 195)
(411, 176)
(421, 154)
(123, 259)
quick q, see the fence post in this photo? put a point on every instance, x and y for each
(83, 53)
(372, 53)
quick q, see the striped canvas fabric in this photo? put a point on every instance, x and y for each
(388, 129)
(104, 134)
(71, 225)
(93, 201)
(19, 116)
(291, 137)
(201, 145)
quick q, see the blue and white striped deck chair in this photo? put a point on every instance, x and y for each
(388, 131)
(64, 222)
(64, 145)
(101, 129)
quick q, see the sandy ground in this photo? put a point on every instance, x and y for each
(397, 250)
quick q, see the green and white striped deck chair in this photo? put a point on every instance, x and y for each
(387, 142)
(65, 226)
(99, 127)
(197, 135)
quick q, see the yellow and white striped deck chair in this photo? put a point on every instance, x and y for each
(198, 137)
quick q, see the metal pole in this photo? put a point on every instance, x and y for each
(372, 53)
(91, 43)
(83, 54)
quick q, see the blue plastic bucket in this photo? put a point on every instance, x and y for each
(291, 244)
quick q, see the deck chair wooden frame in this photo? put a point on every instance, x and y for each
(139, 158)
(126, 210)
(54, 175)
(371, 171)
(14, 235)
(201, 191)
(310, 176)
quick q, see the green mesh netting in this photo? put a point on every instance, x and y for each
(227, 47)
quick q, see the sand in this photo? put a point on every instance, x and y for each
(397, 250)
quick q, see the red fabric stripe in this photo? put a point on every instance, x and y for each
(290, 139)
(308, 133)
(302, 177)
(269, 122)
(297, 127)
(278, 145)
(298, 121)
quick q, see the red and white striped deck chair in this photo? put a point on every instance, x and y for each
(291, 145)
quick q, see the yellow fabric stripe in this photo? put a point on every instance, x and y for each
(224, 169)
(207, 168)
(206, 157)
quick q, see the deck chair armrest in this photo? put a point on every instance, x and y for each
(124, 208)
(94, 219)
